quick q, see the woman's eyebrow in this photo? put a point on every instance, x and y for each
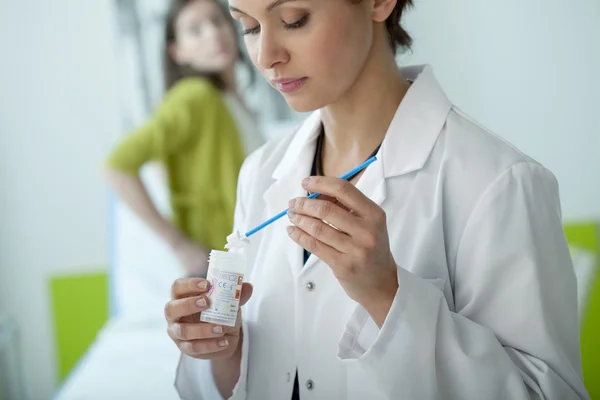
(270, 7)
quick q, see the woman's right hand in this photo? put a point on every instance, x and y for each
(194, 338)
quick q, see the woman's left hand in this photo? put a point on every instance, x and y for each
(358, 251)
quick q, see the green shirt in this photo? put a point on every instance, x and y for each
(192, 132)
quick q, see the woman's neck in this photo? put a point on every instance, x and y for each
(357, 123)
(229, 79)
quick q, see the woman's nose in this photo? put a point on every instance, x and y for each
(270, 52)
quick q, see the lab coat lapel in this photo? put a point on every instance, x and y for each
(293, 168)
(417, 124)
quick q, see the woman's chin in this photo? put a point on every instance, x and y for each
(303, 104)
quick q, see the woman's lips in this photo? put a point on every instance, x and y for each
(289, 85)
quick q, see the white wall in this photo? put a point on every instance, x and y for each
(58, 117)
(528, 70)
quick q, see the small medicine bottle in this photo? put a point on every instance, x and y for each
(225, 275)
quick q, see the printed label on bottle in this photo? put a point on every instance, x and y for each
(224, 297)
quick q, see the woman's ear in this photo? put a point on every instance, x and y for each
(382, 9)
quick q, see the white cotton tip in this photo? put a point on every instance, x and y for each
(236, 241)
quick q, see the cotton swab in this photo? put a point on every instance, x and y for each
(346, 176)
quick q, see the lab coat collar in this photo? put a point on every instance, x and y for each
(416, 125)
(406, 147)
(410, 138)
(295, 165)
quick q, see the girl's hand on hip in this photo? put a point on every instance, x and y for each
(356, 248)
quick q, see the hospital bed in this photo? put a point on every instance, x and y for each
(132, 356)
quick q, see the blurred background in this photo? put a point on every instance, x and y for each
(83, 282)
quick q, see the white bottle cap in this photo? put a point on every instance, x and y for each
(227, 261)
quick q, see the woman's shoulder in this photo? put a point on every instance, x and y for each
(195, 89)
(474, 143)
(480, 161)
(256, 173)
(265, 159)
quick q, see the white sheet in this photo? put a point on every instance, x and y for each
(584, 263)
(129, 360)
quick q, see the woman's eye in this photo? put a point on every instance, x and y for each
(251, 31)
(294, 25)
(298, 24)
(195, 29)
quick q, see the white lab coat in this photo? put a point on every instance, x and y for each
(486, 306)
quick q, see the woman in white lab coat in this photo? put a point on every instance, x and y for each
(442, 271)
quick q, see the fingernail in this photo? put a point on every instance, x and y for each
(223, 343)
(306, 182)
(203, 285)
(290, 229)
(201, 302)
(292, 204)
(291, 215)
(217, 330)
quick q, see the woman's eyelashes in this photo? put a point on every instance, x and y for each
(294, 25)
(251, 31)
(298, 24)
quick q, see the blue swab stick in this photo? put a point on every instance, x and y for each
(312, 196)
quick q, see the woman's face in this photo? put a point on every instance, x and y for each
(311, 50)
(205, 37)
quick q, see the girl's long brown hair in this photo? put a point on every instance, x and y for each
(173, 72)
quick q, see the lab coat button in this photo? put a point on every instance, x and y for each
(288, 377)
(310, 286)
(310, 384)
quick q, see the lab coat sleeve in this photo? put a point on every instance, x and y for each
(512, 332)
(194, 378)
